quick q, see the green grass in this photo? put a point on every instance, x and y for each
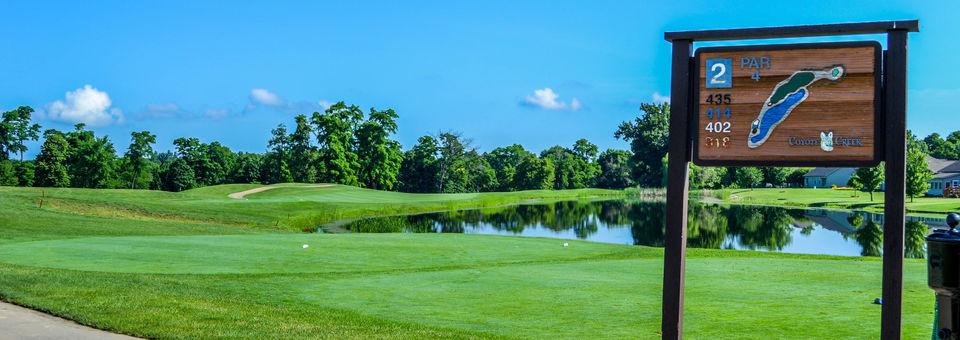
(839, 199)
(200, 265)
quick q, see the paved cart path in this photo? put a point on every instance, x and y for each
(242, 194)
(22, 323)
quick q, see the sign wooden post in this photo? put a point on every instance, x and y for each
(895, 81)
(675, 240)
(820, 104)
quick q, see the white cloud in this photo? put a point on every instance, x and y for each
(545, 98)
(659, 98)
(324, 104)
(265, 97)
(216, 113)
(160, 110)
(85, 105)
(575, 104)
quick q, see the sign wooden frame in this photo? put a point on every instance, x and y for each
(893, 106)
(878, 130)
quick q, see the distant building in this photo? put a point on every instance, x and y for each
(946, 174)
(827, 177)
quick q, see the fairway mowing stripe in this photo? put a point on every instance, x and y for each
(118, 252)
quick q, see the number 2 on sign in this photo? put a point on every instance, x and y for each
(718, 127)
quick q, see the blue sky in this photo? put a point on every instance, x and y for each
(231, 71)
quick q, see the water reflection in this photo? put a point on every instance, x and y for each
(811, 231)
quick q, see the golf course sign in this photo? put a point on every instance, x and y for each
(788, 105)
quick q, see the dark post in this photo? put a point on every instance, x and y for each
(895, 113)
(675, 242)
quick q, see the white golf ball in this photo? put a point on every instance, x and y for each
(305, 246)
(565, 244)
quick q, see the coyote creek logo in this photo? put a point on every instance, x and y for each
(826, 141)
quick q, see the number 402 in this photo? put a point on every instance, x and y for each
(718, 127)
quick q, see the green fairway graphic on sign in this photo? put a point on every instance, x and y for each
(786, 96)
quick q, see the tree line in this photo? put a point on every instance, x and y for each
(340, 145)
(648, 136)
(344, 145)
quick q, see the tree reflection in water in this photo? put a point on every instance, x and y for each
(915, 244)
(708, 226)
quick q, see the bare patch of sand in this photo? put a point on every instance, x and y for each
(242, 194)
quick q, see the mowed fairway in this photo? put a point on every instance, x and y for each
(201, 265)
(838, 199)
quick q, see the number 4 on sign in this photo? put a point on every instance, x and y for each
(755, 76)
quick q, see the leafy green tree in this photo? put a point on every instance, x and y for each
(504, 162)
(535, 173)
(379, 156)
(748, 177)
(588, 153)
(91, 161)
(275, 166)
(868, 179)
(25, 171)
(940, 148)
(953, 139)
(210, 162)
(776, 176)
(585, 150)
(918, 173)
(570, 170)
(795, 176)
(706, 177)
(16, 130)
(180, 176)
(648, 136)
(52, 161)
(470, 173)
(7, 175)
(303, 154)
(162, 161)
(481, 175)
(338, 159)
(614, 169)
(190, 150)
(138, 156)
(216, 163)
(247, 168)
(452, 148)
(564, 166)
(418, 171)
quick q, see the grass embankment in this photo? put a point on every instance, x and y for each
(200, 265)
(291, 207)
(830, 198)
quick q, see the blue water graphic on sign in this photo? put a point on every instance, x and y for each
(776, 114)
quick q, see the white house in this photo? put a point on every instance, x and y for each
(827, 177)
(946, 174)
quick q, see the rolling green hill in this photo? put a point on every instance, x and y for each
(200, 264)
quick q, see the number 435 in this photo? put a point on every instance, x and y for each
(718, 98)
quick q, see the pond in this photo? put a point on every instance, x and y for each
(805, 231)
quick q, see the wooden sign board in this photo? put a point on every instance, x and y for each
(788, 105)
